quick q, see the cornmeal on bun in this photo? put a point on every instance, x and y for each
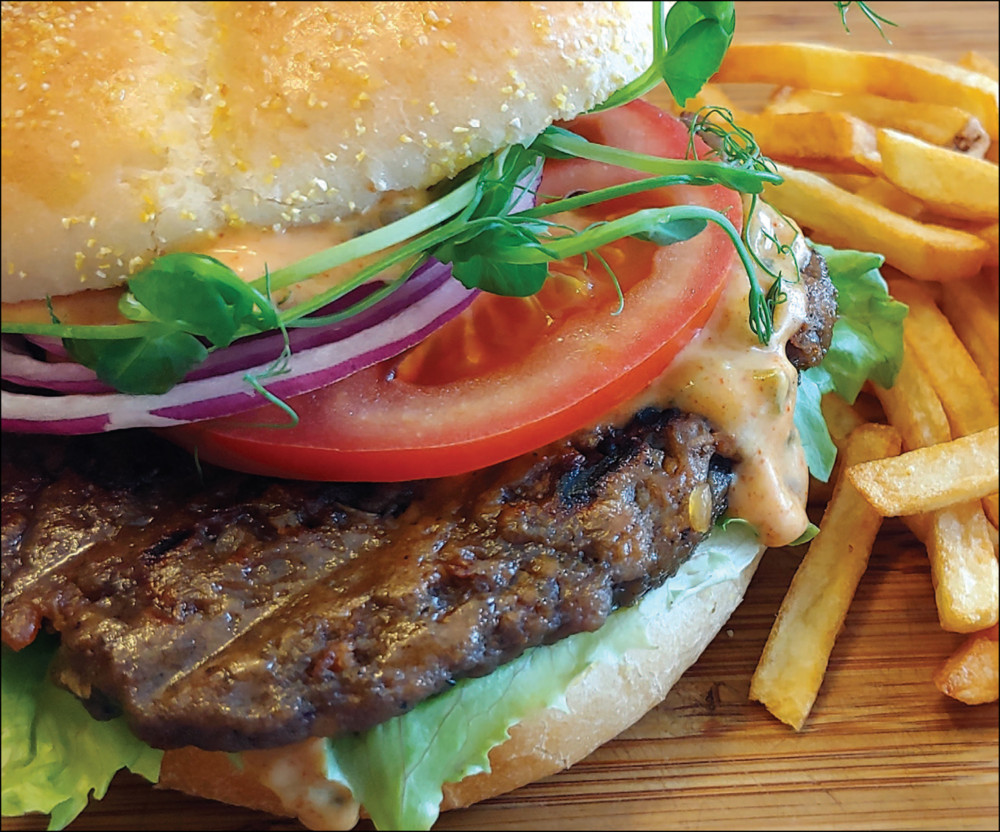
(199, 119)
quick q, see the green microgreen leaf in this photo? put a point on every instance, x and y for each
(874, 18)
(698, 35)
(689, 43)
(674, 232)
(560, 140)
(480, 258)
(511, 279)
(380, 239)
(184, 300)
(199, 295)
(148, 365)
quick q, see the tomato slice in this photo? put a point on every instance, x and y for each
(510, 374)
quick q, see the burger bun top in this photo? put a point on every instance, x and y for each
(134, 129)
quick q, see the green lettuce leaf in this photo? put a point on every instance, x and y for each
(448, 737)
(54, 753)
(820, 452)
(867, 344)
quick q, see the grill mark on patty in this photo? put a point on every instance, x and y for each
(157, 551)
(238, 612)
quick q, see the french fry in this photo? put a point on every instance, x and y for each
(979, 63)
(938, 124)
(990, 234)
(953, 184)
(710, 95)
(991, 507)
(931, 477)
(852, 182)
(912, 406)
(972, 673)
(791, 668)
(963, 390)
(840, 218)
(829, 69)
(914, 409)
(976, 324)
(817, 141)
(841, 418)
(963, 568)
(987, 232)
(889, 196)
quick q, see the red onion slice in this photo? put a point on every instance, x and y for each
(253, 351)
(387, 331)
(62, 376)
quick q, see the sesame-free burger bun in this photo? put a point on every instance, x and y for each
(131, 130)
(601, 703)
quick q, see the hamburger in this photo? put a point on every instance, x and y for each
(394, 403)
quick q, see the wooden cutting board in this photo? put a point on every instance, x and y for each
(881, 750)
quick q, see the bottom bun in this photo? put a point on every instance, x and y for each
(602, 702)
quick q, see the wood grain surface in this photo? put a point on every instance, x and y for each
(882, 748)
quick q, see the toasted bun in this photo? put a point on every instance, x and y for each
(604, 701)
(133, 129)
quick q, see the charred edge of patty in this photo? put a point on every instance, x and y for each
(808, 346)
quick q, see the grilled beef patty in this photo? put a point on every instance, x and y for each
(229, 611)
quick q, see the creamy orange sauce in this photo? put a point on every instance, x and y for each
(748, 391)
(93, 308)
(297, 775)
(251, 252)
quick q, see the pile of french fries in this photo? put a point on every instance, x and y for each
(895, 154)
